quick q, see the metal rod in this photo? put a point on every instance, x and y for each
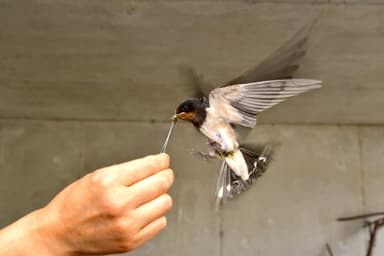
(329, 250)
(168, 136)
(361, 216)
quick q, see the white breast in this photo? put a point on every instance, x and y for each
(219, 131)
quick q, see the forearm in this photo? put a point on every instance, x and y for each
(111, 210)
(29, 236)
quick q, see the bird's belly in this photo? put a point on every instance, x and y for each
(222, 134)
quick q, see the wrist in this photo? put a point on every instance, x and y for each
(34, 234)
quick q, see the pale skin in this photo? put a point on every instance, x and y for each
(111, 210)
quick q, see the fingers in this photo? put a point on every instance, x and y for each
(148, 189)
(153, 210)
(133, 171)
(151, 230)
(117, 208)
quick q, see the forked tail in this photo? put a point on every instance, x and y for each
(230, 185)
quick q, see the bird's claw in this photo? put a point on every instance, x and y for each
(204, 155)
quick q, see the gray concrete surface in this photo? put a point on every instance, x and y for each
(38, 159)
(315, 177)
(87, 84)
(103, 60)
(319, 173)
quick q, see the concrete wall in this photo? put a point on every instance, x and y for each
(83, 84)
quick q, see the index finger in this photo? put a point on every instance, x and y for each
(133, 171)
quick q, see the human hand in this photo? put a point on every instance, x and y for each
(111, 210)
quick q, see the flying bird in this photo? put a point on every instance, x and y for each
(237, 103)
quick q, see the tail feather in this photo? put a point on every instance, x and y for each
(257, 163)
(230, 185)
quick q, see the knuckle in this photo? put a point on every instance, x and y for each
(102, 178)
(126, 246)
(128, 232)
(120, 227)
(100, 182)
(96, 176)
(131, 198)
(127, 228)
(111, 205)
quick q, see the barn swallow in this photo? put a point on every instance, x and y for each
(237, 103)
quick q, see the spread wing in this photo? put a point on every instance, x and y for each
(195, 82)
(282, 63)
(239, 104)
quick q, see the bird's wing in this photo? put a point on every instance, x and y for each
(196, 84)
(282, 63)
(239, 104)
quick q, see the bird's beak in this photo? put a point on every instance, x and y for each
(178, 116)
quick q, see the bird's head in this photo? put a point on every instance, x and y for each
(188, 110)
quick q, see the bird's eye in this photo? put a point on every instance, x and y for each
(184, 109)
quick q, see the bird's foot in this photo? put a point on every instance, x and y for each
(205, 155)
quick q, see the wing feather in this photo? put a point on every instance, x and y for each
(283, 62)
(239, 104)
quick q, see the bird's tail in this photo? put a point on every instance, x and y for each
(256, 162)
(230, 185)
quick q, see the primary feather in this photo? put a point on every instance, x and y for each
(282, 63)
(239, 104)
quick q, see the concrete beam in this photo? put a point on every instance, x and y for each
(120, 60)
